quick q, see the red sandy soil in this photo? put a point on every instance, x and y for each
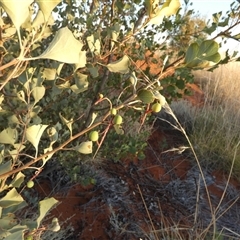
(132, 198)
(90, 216)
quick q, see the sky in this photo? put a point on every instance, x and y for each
(208, 7)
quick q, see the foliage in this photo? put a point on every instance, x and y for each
(11, 226)
(65, 65)
(132, 143)
(187, 27)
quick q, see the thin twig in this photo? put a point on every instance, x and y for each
(155, 233)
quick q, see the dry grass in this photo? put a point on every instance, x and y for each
(213, 132)
(215, 127)
(213, 218)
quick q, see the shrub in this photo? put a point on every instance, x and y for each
(64, 66)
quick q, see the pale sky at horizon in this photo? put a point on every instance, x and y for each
(208, 7)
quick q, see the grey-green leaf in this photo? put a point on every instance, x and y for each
(67, 122)
(17, 232)
(121, 66)
(44, 206)
(5, 167)
(208, 48)
(49, 74)
(47, 6)
(84, 147)
(11, 198)
(200, 56)
(6, 223)
(8, 136)
(18, 180)
(65, 48)
(38, 93)
(34, 134)
(167, 9)
(192, 52)
(81, 80)
(17, 10)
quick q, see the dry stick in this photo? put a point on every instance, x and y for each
(99, 90)
(155, 233)
(18, 64)
(13, 62)
(102, 139)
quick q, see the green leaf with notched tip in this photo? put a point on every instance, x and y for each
(18, 180)
(192, 52)
(200, 56)
(208, 48)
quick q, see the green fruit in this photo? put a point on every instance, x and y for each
(29, 238)
(117, 119)
(93, 136)
(30, 184)
(145, 96)
(93, 181)
(156, 107)
(113, 111)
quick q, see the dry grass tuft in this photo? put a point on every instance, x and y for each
(215, 127)
(213, 133)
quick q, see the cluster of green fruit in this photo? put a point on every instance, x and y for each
(94, 136)
(147, 97)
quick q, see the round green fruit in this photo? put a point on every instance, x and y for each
(117, 119)
(156, 107)
(93, 136)
(113, 111)
(30, 184)
(29, 238)
(145, 96)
